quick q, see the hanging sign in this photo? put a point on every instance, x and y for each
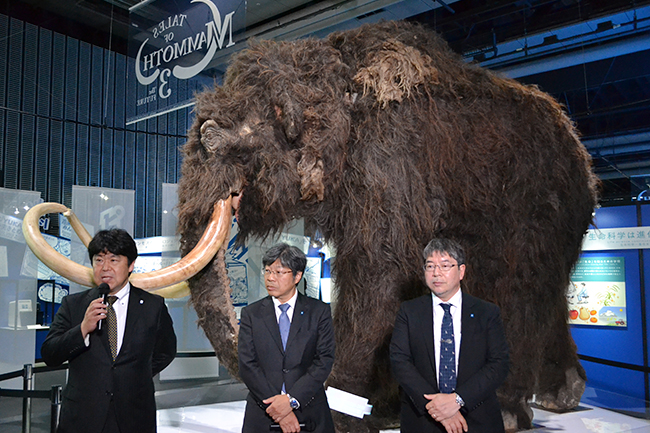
(175, 41)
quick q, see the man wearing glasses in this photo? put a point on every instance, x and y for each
(449, 352)
(286, 351)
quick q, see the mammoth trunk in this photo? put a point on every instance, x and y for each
(210, 295)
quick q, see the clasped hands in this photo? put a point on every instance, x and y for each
(280, 410)
(444, 409)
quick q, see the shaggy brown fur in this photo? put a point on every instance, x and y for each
(382, 138)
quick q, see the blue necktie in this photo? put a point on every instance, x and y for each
(285, 324)
(447, 379)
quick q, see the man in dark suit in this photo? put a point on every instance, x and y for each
(286, 351)
(110, 377)
(449, 352)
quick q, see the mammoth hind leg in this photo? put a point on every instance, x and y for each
(562, 379)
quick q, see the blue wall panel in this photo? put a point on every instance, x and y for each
(96, 86)
(15, 56)
(63, 110)
(71, 79)
(106, 162)
(94, 156)
(55, 179)
(83, 91)
(4, 50)
(44, 94)
(118, 159)
(57, 71)
(616, 216)
(42, 156)
(616, 387)
(625, 392)
(69, 165)
(30, 63)
(108, 98)
(82, 156)
(27, 149)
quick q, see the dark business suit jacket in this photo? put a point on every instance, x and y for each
(303, 367)
(482, 364)
(149, 345)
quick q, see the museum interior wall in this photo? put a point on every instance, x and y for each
(63, 123)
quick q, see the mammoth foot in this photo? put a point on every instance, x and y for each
(569, 394)
(518, 419)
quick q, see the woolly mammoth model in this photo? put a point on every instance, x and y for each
(381, 138)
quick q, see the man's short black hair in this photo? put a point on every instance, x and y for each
(115, 241)
(290, 257)
(444, 245)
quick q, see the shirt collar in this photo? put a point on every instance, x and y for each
(291, 302)
(124, 291)
(455, 300)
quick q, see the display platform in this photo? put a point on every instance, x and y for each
(228, 417)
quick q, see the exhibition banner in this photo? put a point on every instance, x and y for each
(596, 293)
(175, 45)
(624, 238)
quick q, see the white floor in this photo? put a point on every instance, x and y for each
(228, 417)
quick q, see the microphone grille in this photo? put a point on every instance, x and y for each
(104, 289)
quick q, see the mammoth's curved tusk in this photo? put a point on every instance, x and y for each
(49, 256)
(214, 235)
(176, 291)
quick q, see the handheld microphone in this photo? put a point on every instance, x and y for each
(104, 290)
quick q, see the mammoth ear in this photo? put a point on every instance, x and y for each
(210, 135)
(394, 71)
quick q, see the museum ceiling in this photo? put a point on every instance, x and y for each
(593, 56)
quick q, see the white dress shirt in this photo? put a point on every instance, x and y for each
(292, 304)
(121, 307)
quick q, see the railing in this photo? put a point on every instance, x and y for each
(28, 393)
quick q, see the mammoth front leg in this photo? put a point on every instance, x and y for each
(364, 316)
(210, 296)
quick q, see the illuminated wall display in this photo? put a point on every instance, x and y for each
(596, 294)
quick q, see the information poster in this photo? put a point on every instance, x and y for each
(596, 294)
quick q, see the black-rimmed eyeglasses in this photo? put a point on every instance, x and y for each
(445, 267)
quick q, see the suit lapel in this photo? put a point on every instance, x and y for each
(427, 332)
(468, 327)
(271, 321)
(300, 312)
(133, 315)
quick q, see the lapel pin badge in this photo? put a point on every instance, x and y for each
(141, 301)
(471, 315)
(302, 312)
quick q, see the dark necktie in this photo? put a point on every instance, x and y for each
(447, 378)
(111, 321)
